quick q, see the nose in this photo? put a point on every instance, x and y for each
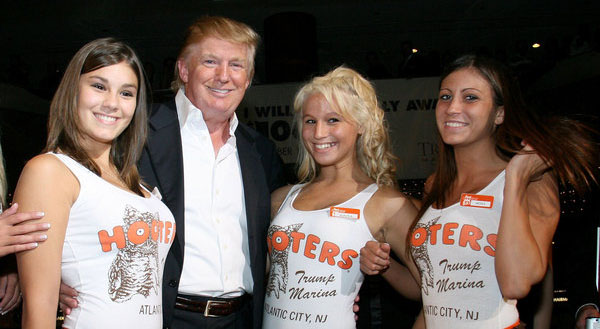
(454, 107)
(321, 130)
(111, 101)
(222, 73)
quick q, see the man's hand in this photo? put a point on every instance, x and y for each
(67, 298)
(374, 257)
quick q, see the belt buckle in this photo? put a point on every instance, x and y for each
(210, 303)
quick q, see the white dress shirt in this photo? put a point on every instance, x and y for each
(216, 255)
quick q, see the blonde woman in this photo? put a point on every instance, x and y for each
(346, 198)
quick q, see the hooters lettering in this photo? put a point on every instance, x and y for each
(469, 236)
(137, 233)
(324, 252)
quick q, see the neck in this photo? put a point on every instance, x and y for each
(475, 160)
(343, 172)
(219, 133)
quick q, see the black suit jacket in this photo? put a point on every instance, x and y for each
(161, 165)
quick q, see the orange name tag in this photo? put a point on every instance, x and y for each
(476, 200)
(349, 213)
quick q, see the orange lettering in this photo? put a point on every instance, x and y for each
(280, 240)
(419, 236)
(297, 237)
(169, 231)
(138, 232)
(470, 234)
(491, 249)
(448, 232)
(106, 240)
(346, 261)
(311, 244)
(433, 229)
(328, 251)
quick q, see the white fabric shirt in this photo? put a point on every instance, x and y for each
(216, 255)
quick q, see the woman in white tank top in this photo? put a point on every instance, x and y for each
(347, 196)
(109, 236)
(483, 235)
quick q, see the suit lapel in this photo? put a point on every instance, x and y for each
(249, 163)
(164, 148)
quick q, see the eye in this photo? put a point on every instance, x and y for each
(333, 120)
(127, 93)
(309, 121)
(210, 62)
(98, 86)
(237, 65)
(445, 97)
(471, 98)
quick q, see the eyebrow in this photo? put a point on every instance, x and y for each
(127, 85)
(213, 56)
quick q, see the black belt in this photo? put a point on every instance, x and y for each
(212, 307)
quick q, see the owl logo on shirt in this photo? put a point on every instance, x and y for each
(135, 269)
(278, 275)
(421, 258)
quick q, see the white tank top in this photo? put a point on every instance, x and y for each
(315, 271)
(454, 248)
(114, 252)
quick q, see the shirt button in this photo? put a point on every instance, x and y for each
(173, 283)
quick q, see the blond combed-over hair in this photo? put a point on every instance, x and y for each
(355, 99)
(221, 28)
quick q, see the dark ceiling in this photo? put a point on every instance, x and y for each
(42, 36)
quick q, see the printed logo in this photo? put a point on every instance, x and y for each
(135, 269)
(421, 256)
(278, 276)
(476, 200)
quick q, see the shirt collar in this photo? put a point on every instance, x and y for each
(186, 111)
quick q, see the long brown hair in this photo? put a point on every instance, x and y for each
(64, 127)
(567, 145)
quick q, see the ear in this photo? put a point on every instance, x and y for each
(183, 70)
(499, 119)
(361, 129)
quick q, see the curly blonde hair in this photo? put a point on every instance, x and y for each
(355, 99)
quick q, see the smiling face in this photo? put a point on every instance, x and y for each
(215, 77)
(328, 136)
(465, 111)
(106, 103)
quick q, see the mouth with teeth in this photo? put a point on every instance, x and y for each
(220, 91)
(105, 118)
(454, 124)
(324, 146)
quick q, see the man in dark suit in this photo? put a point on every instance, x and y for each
(215, 174)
